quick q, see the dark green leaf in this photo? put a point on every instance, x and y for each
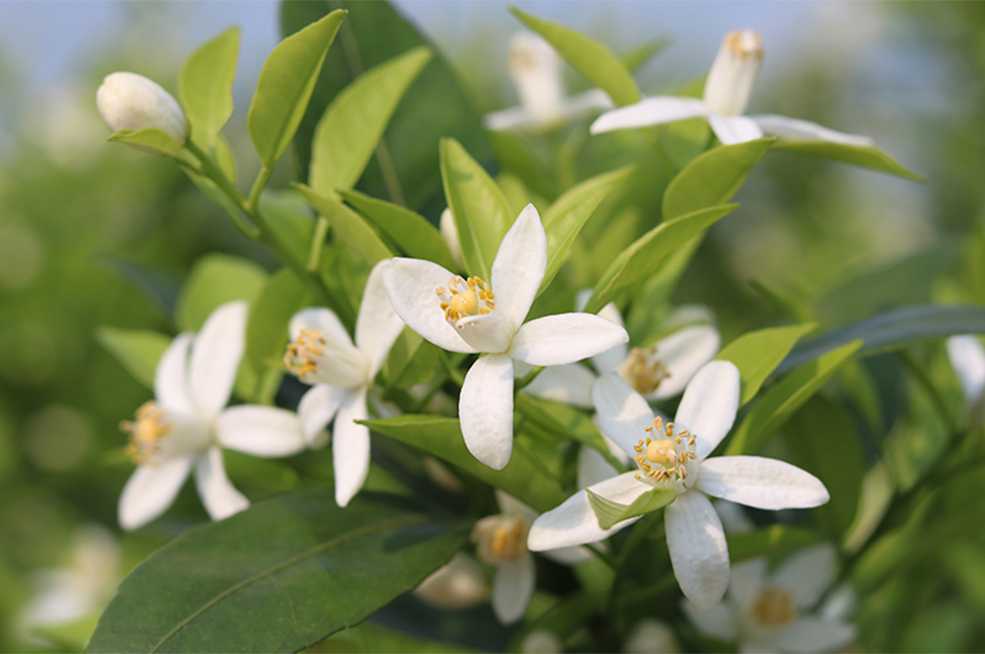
(758, 353)
(610, 513)
(206, 86)
(775, 542)
(564, 422)
(266, 330)
(138, 351)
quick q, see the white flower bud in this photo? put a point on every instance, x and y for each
(133, 102)
(536, 71)
(730, 81)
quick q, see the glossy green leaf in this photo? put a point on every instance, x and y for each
(278, 577)
(348, 226)
(758, 353)
(589, 57)
(149, 140)
(352, 126)
(369, 638)
(864, 156)
(137, 350)
(649, 252)
(285, 86)
(611, 513)
(712, 178)
(290, 217)
(215, 280)
(266, 330)
(564, 422)
(482, 213)
(775, 541)
(205, 86)
(780, 402)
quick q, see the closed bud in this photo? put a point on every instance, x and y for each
(128, 101)
(730, 80)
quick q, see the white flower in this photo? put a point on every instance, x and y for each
(673, 456)
(459, 584)
(541, 641)
(536, 71)
(184, 427)
(727, 90)
(449, 232)
(651, 636)
(968, 360)
(133, 102)
(341, 372)
(771, 612)
(472, 316)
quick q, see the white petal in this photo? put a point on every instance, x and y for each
(649, 111)
(449, 232)
(733, 73)
(512, 506)
(698, 551)
(570, 384)
(218, 495)
(509, 119)
(683, 353)
(814, 635)
(623, 414)
(512, 588)
(733, 517)
(747, 579)
(519, 266)
(377, 325)
(565, 338)
(341, 363)
(171, 377)
(568, 555)
(715, 620)
(485, 409)
(734, 129)
(215, 357)
(761, 483)
(593, 467)
(350, 447)
(573, 522)
(316, 409)
(411, 285)
(651, 636)
(150, 491)
(490, 333)
(260, 430)
(612, 358)
(323, 321)
(968, 360)
(807, 574)
(803, 130)
(709, 405)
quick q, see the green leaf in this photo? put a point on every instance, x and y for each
(215, 280)
(285, 86)
(712, 178)
(290, 217)
(565, 218)
(758, 353)
(369, 638)
(482, 213)
(349, 227)
(565, 422)
(441, 437)
(266, 330)
(353, 124)
(775, 541)
(138, 351)
(589, 57)
(646, 255)
(205, 86)
(781, 401)
(610, 513)
(149, 140)
(641, 55)
(865, 156)
(406, 229)
(278, 577)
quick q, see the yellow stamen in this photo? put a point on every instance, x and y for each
(643, 370)
(301, 357)
(774, 607)
(663, 455)
(500, 538)
(463, 298)
(146, 432)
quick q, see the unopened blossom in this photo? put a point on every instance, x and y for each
(775, 612)
(341, 372)
(474, 316)
(184, 428)
(968, 360)
(535, 69)
(541, 641)
(128, 101)
(673, 456)
(459, 584)
(651, 636)
(727, 91)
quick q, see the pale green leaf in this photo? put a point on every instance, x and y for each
(205, 86)
(866, 156)
(149, 140)
(758, 353)
(215, 280)
(266, 330)
(611, 513)
(349, 228)
(138, 351)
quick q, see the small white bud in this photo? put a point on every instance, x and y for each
(133, 102)
(536, 71)
(730, 80)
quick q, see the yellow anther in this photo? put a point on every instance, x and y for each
(774, 607)
(464, 298)
(643, 370)
(301, 357)
(745, 44)
(500, 538)
(661, 452)
(146, 432)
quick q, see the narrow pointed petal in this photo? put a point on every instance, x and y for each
(802, 130)
(220, 497)
(807, 574)
(623, 414)
(570, 384)
(733, 73)
(594, 468)
(340, 362)
(171, 377)
(513, 588)
(747, 580)
(967, 357)
(519, 266)
(734, 129)
(485, 409)
(316, 409)
(709, 405)
(411, 285)
(350, 447)
(814, 635)
(611, 359)
(698, 551)
(512, 506)
(514, 118)
(573, 522)
(216, 353)
(683, 353)
(649, 111)
(565, 338)
(377, 325)
(716, 620)
(260, 430)
(568, 555)
(150, 491)
(761, 483)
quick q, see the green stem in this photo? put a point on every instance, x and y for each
(259, 184)
(317, 241)
(528, 378)
(212, 171)
(602, 556)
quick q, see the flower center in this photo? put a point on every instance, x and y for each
(146, 432)
(643, 370)
(774, 607)
(500, 538)
(462, 299)
(664, 455)
(745, 44)
(301, 357)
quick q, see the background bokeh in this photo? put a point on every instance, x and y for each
(93, 234)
